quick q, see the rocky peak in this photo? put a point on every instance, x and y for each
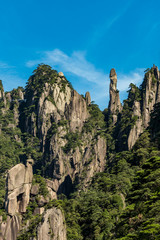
(114, 104)
(113, 79)
(88, 98)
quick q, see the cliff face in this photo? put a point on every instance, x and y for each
(57, 115)
(140, 104)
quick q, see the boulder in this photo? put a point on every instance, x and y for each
(42, 200)
(35, 189)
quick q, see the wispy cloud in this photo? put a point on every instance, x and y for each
(75, 64)
(78, 66)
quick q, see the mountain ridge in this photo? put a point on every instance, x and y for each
(78, 150)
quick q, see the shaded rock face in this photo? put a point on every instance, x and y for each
(53, 226)
(114, 104)
(75, 165)
(19, 182)
(137, 128)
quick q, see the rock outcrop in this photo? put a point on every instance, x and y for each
(19, 180)
(76, 112)
(20, 192)
(9, 229)
(115, 105)
(88, 98)
(52, 226)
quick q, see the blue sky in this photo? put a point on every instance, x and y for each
(83, 39)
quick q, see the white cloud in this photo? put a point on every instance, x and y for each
(82, 71)
(78, 66)
(75, 64)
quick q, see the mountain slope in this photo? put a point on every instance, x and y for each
(97, 170)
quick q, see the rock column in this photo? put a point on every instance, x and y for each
(114, 104)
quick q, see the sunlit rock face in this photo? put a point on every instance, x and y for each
(19, 180)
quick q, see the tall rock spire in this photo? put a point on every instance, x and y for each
(114, 104)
